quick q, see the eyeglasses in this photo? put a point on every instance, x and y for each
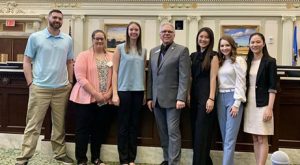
(166, 31)
(99, 39)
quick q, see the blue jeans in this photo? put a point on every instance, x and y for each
(229, 126)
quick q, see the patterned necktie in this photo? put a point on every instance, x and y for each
(161, 57)
(162, 53)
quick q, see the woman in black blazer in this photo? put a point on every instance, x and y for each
(261, 91)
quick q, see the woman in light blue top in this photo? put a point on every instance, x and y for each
(128, 90)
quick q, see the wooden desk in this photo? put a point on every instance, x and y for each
(289, 115)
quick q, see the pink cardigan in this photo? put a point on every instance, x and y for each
(86, 72)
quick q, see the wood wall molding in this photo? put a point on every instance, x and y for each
(153, 7)
(11, 7)
(161, 1)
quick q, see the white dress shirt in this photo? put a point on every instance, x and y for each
(232, 77)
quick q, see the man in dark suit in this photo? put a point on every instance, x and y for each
(167, 88)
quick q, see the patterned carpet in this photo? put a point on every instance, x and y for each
(8, 157)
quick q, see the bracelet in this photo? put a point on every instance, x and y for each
(29, 84)
(211, 99)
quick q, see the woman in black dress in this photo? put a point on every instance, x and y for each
(205, 65)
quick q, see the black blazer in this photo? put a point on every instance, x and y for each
(265, 81)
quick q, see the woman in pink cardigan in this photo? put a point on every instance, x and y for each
(90, 97)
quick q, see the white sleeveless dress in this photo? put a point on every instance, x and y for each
(253, 116)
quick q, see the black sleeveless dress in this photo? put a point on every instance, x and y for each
(203, 124)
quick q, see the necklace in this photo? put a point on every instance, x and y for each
(101, 57)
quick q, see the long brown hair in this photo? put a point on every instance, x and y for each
(233, 45)
(209, 48)
(139, 39)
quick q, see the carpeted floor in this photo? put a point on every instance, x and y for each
(8, 157)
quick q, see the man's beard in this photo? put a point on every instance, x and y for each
(55, 25)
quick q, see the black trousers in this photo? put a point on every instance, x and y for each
(128, 119)
(203, 128)
(92, 124)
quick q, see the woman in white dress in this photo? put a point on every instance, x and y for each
(261, 91)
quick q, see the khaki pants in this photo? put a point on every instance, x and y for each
(39, 101)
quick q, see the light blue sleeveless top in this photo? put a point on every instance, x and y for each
(131, 70)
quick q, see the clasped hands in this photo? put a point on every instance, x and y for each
(101, 98)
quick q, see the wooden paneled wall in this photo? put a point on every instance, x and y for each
(13, 107)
